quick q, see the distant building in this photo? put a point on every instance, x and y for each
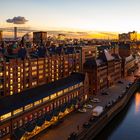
(128, 37)
(87, 52)
(15, 33)
(1, 36)
(39, 37)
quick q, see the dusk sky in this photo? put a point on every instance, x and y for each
(80, 15)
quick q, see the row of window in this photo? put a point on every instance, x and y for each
(44, 110)
(48, 98)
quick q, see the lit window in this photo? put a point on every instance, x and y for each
(28, 106)
(66, 90)
(45, 99)
(11, 81)
(38, 102)
(17, 111)
(3, 117)
(41, 67)
(60, 93)
(1, 73)
(11, 87)
(53, 96)
(1, 86)
(11, 92)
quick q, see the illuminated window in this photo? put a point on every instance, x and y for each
(11, 69)
(41, 76)
(38, 102)
(11, 81)
(18, 68)
(45, 99)
(66, 90)
(18, 73)
(11, 92)
(41, 67)
(41, 71)
(1, 86)
(1, 73)
(17, 111)
(18, 85)
(34, 68)
(19, 90)
(11, 87)
(6, 73)
(60, 93)
(3, 117)
(27, 69)
(28, 106)
(27, 85)
(18, 79)
(70, 88)
(53, 96)
(34, 73)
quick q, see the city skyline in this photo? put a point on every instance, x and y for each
(85, 16)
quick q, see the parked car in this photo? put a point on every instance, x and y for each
(88, 106)
(123, 91)
(95, 100)
(97, 111)
(104, 93)
(82, 110)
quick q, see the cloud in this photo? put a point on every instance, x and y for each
(17, 20)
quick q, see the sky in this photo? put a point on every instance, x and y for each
(74, 15)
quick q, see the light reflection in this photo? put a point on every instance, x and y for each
(137, 103)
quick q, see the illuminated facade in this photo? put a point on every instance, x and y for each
(18, 75)
(24, 115)
(128, 37)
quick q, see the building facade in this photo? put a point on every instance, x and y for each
(128, 37)
(103, 72)
(39, 37)
(18, 75)
(22, 116)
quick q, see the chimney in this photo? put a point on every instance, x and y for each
(15, 33)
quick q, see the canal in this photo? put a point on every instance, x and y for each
(126, 125)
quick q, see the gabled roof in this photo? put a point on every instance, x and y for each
(92, 62)
(106, 56)
(10, 103)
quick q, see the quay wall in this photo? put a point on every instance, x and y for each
(109, 114)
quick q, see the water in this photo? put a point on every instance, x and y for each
(126, 125)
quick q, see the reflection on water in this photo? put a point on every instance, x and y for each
(126, 125)
(137, 103)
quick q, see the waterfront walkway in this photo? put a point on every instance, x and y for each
(74, 122)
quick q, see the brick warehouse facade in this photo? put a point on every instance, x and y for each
(17, 75)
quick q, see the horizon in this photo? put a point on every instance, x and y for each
(76, 16)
